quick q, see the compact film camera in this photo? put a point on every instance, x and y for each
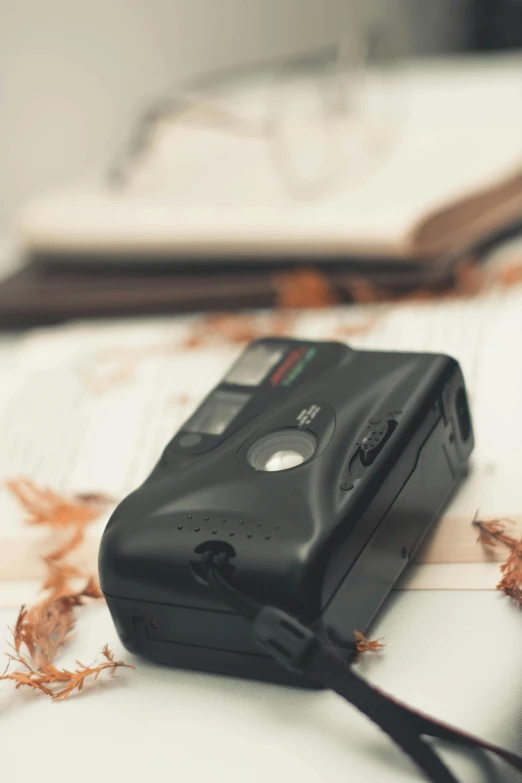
(314, 472)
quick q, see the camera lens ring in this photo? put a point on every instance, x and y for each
(282, 450)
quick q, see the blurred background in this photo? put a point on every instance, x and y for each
(83, 85)
(73, 76)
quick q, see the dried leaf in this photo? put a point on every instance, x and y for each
(303, 288)
(67, 547)
(49, 679)
(42, 631)
(509, 276)
(511, 582)
(491, 534)
(95, 498)
(364, 644)
(48, 508)
(92, 589)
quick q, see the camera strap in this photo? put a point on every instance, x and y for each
(298, 648)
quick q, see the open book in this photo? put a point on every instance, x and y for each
(428, 159)
(89, 408)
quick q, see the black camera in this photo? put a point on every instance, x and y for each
(314, 471)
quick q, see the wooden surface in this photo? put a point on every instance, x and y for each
(455, 540)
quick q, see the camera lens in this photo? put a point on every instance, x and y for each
(283, 460)
(282, 450)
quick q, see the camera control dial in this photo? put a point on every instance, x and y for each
(374, 440)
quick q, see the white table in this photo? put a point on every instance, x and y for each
(455, 655)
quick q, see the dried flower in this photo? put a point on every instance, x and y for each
(48, 508)
(511, 582)
(364, 644)
(94, 498)
(491, 534)
(304, 288)
(510, 275)
(58, 683)
(43, 630)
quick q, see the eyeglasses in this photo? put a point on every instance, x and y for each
(326, 121)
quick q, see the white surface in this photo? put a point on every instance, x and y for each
(412, 143)
(454, 655)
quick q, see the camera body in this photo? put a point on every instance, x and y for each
(318, 470)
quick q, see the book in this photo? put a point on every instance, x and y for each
(421, 167)
(427, 158)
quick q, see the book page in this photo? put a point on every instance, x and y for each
(89, 408)
(415, 139)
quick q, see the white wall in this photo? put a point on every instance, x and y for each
(73, 73)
